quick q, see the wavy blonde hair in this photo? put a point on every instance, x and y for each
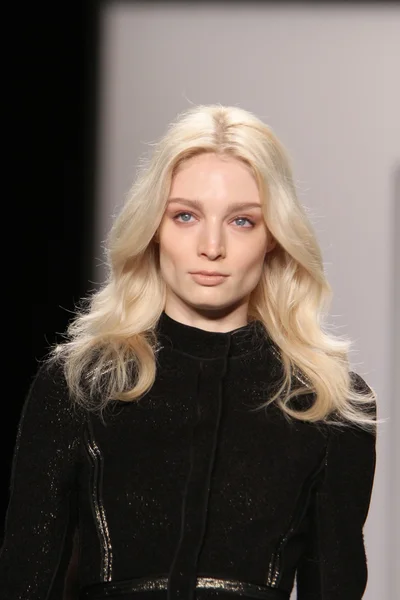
(111, 344)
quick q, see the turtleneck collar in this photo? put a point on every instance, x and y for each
(203, 344)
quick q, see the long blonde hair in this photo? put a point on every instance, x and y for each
(110, 347)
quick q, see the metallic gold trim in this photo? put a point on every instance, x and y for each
(274, 568)
(237, 587)
(98, 507)
(154, 584)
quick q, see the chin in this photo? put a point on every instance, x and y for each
(209, 304)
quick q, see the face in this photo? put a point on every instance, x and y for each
(202, 230)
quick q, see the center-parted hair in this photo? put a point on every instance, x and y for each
(110, 346)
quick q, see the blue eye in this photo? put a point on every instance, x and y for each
(188, 214)
(180, 214)
(245, 219)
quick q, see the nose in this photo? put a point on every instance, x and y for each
(211, 243)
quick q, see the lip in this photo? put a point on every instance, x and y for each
(209, 273)
(208, 280)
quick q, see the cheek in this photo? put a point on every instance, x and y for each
(251, 260)
(171, 256)
(174, 249)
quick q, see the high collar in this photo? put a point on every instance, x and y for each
(203, 344)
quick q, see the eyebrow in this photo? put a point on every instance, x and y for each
(231, 207)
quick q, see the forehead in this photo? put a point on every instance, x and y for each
(216, 175)
(207, 161)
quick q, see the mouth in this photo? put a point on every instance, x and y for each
(209, 273)
(207, 279)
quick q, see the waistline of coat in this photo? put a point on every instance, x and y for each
(157, 588)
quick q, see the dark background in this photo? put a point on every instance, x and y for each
(48, 222)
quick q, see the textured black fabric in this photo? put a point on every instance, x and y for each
(188, 481)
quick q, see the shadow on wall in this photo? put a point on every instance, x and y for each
(394, 408)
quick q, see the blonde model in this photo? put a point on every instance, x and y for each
(200, 431)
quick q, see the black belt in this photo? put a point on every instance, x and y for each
(157, 587)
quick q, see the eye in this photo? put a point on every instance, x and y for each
(180, 214)
(245, 219)
(188, 214)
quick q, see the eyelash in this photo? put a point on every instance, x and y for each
(188, 213)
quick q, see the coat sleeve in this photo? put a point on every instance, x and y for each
(334, 564)
(42, 481)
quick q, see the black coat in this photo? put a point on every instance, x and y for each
(188, 493)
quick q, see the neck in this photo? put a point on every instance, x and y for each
(218, 321)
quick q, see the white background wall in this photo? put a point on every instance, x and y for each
(324, 78)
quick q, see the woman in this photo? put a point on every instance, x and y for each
(199, 430)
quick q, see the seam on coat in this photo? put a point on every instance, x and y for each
(96, 500)
(274, 574)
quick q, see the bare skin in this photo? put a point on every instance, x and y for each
(212, 236)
